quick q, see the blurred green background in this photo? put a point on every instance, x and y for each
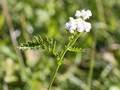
(20, 20)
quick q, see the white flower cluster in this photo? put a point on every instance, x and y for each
(79, 22)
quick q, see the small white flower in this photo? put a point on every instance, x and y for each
(85, 14)
(79, 24)
(71, 25)
(87, 26)
(77, 14)
(83, 26)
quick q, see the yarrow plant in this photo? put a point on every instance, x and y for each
(76, 26)
(79, 24)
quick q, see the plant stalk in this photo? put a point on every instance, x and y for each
(91, 65)
(62, 54)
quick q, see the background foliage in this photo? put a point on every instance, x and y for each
(31, 69)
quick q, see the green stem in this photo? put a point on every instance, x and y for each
(91, 68)
(62, 54)
(53, 77)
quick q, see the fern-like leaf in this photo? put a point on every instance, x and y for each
(40, 43)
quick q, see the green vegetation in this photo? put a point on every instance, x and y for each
(41, 23)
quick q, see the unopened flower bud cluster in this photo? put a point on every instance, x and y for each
(79, 23)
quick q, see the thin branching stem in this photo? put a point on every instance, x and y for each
(62, 54)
